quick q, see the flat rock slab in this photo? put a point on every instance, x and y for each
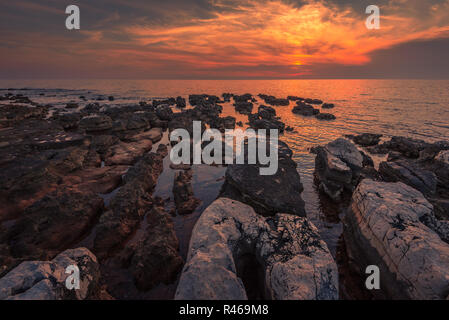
(384, 227)
(293, 262)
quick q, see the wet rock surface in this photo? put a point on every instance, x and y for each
(237, 254)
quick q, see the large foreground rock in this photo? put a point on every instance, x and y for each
(390, 225)
(45, 280)
(267, 194)
(236, 254)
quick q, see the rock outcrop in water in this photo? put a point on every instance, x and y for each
(338, 166)
(267, 194)
(45, 280)
(236, 254)
(386, 227)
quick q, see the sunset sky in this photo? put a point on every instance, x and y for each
(220, 39)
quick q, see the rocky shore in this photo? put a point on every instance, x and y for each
(78, 187)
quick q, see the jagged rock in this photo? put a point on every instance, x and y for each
(45, 280)
(129, 204)
(184, 198)
(236, 254)
(337, 167)
(245, 183)
(384, 227)
(155, 258)
(405, 171)
(164, 112)
(328, 106)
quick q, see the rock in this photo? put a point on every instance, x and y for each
(271, 100)
(222, 123)
(180, 102)
(408, 147)
(443, 157)
(245, 183)
(265, 112)
(243, 107)
(305, 109)
(69, 120)
(111, 98)
(155, 258)
(11, 114)
(325, 116)
(96, 123)
(405, 171)
(328, 106)
(127, 153)
(337, 167)
(55, 222)
(185, 200)
(164, 112)
(313, 101)
(257, 123)
(45, 280)
(366, 139)
(235, 254)
(71, 105)
(91, 108)
(383, 227)
(129, 204)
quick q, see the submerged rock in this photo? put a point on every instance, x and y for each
(325, 116)
(384, 227)
(236, 254)
(45, 280)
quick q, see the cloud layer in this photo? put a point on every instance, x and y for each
(208, 39)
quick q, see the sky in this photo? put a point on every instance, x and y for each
(224, 39)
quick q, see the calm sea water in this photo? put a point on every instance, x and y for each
(413, 108)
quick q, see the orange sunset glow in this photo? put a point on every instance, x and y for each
(233, 39)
